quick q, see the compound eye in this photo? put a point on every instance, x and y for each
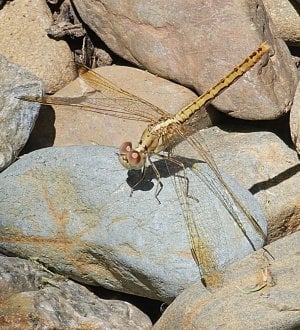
(130, 158)
(125, 148)
(134, 157)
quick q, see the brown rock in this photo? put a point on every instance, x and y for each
(23, 40)
(197, 44)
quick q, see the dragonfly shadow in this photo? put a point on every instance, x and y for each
(276, 180)
(166, 167)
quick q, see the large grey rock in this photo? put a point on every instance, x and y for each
(273, 303)
(191, 43)
(23, 40)
(17, 117)
(71, 208)
(33, 298)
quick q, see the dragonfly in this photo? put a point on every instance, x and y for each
(162, 130)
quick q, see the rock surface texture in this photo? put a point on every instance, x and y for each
(23, 40)
(261, 293)
(17, 117)
(71, 209)
(285, 16)
(295, 120)
(33, 298)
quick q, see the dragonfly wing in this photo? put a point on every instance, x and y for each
(201, 245)
(111, 91)
(107, 99)
(230, 231)
(121, 108)
(205, 156)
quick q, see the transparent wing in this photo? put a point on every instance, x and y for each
(207, 158)
(202, 247)
(209, 242)
(106, 99)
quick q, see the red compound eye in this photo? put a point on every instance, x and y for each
(134, 157)
(130, 158)
(125, 148)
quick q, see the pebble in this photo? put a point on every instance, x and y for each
(32, 297)
(285, 16)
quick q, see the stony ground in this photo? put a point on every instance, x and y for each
(67, 212)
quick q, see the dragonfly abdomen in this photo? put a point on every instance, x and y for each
(228, 80)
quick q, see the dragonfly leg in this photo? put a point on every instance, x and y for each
(184, 176)
(139, 180)
(159, 186)
(187, 184)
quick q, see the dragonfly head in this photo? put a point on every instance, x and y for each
(130, 158)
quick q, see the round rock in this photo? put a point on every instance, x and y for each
(23, 40)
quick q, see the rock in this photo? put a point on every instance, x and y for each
(73, 127)
(17, 118)
(186, 42)
(71, 209)
(285, 17)
(23, 40)
(262, 163)
(31, 298)
(275, 306)
(295, 120)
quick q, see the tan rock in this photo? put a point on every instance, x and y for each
(23, 40)
(32, 297)
(295, 120)
(286, 19)
(197, 44)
